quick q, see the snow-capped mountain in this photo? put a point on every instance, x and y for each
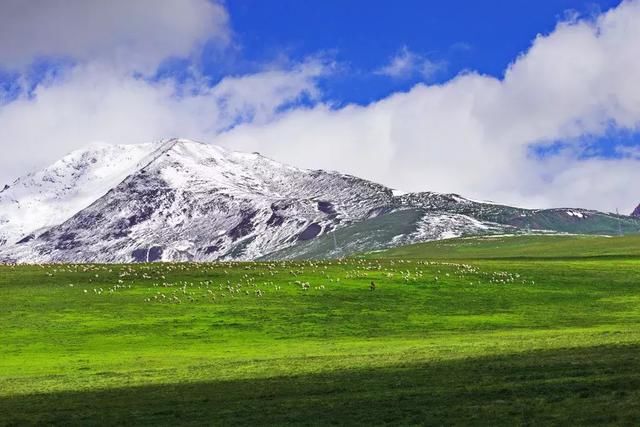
(184, 200)
(51, 196)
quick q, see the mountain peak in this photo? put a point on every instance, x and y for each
(179, 199)
(636, 212)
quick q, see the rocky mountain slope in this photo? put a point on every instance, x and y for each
(180, 200)
(51, 196)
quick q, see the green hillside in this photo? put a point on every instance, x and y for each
(407, 225)
(519, 246)
(376, 232)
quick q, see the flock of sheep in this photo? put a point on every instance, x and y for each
(212, 282)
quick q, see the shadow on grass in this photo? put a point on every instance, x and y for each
(595, 385)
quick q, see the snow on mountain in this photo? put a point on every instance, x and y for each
(198, 201)
(52, 195)
(443, 226)
(184, 200)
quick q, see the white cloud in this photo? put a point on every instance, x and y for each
(406, 64)
(472, 134)
(133, 34)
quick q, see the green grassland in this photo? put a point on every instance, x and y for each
(557, 246)
(546, 337)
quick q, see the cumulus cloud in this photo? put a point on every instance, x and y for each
(133, 34)
(473, 134)
(406, 64)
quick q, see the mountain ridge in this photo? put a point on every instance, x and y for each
(181, 200)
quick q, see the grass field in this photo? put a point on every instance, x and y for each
(545, 337)
(520, 246)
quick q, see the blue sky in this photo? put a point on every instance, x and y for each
(362, 35)
(529, 103)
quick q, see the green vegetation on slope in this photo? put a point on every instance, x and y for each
(401, 226)
(486, 342)
(519, 246)
(373, 233)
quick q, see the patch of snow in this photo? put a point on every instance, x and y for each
(576, 214)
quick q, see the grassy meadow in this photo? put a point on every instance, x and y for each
(549, 247)
(486, 331)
